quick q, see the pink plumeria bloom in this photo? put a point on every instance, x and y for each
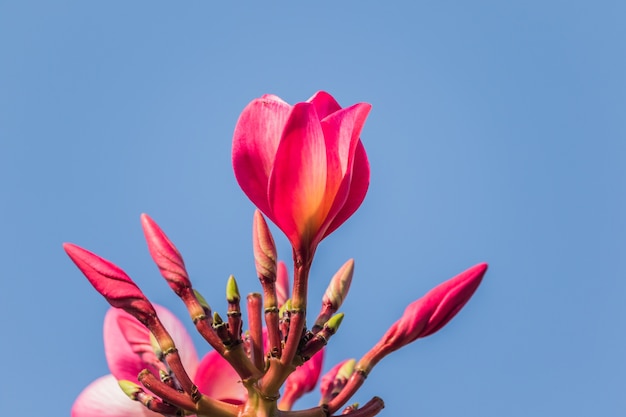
(304, 166)
(128, 351)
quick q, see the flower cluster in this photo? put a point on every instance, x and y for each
(305, 168)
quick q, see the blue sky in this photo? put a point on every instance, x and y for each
(497, 134)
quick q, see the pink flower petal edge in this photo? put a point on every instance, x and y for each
(104, 398)
(122, 353)
(218, 380)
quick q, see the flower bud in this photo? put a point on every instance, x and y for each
(335, 294)
(334, 380)
(282, 283)
(264, 249)
(232, 291)
(110, 281)
(165, 255)
(428, 314)
(130, 388)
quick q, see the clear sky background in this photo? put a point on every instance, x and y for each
(498, 134)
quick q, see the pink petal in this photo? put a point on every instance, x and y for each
(255, 142)
(218, 380)
(302, 380)
(360, 181)
(127, 343)
(327, 383)
(341, 133)
(104, 398)
(297, 189)
(282, 283)
(324, 103)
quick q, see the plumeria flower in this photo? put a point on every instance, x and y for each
(304, 166)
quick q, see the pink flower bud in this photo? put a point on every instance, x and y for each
(282, 283)
(110, 281)
(304, 166)
(334, 380)
(165, 255)
(264, 248)
(335, 293)
(430, 313)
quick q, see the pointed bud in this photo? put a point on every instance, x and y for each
(217, 320)
(264, 249)
(165, 255)
(430, 313)
(282, 283)
(335, 379)
(232, 291)
(130, 389)
(335, 294)
(339, 285)
(285, 308)
(110, 281)
(154, 343)
(203, 303)
(320, 339)
(333, 324)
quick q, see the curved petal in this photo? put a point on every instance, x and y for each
(297, 188)
(218, 380)
(282, 283)
(341, 132)
(104, 398)
(127, 344)
(360, 181)
(255, 142)
(324, 103)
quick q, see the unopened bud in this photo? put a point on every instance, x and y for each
(428, 314)
(113, 283)
(335, 379)
(335, 293)
(232, 291)
(154, 343)
(165, 255)
(203, 303)
(264, 249)
(282, 283)
(217, 320)
(333, 324)
(130, 389)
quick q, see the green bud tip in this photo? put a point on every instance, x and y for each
(346, 370)
(130, 388)
(334, 322)
(285, 307)
(201, 300)
(156, 348)
(217, 320)
(232, 292)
